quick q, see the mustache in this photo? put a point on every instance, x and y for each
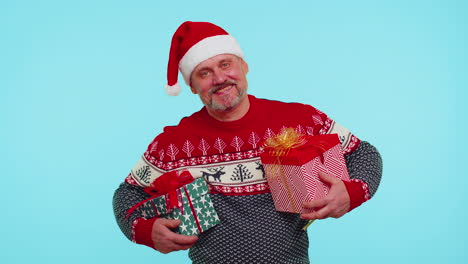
(217, 87)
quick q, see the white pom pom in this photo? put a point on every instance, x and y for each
(173, 90)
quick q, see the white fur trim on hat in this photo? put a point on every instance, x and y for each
(173, 90)
(205, 49)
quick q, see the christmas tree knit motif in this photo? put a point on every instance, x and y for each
(144, 173)
(241, 173)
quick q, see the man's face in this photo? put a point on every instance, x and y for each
(220, 82)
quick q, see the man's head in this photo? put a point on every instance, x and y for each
(192, 44)
(221, 82)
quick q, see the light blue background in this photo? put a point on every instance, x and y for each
(81, 96)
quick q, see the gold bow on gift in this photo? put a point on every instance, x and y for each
(288, 139)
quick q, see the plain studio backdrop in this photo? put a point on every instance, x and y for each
(81, 97)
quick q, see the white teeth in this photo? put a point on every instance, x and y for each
(222, 89)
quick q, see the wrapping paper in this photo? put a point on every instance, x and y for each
(193, 208)
(292, 169)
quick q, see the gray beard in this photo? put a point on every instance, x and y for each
(221, 107)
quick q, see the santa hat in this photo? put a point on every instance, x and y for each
(192, 43)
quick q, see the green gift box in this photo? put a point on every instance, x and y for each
(195, 210)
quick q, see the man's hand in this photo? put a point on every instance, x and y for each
(335, 204)
(165, 240)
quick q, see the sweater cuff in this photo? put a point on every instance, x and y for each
(358, 192)
(142, 229)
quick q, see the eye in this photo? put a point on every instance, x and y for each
(225, 64)
(204, 74)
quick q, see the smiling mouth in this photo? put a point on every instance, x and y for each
(223, 88)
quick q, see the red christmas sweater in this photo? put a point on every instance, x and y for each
(226, 154)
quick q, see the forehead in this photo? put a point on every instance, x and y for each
(213, 61)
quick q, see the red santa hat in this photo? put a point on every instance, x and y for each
(192, 43)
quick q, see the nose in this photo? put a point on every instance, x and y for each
(219, 76)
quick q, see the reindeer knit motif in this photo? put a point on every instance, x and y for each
(226, 154)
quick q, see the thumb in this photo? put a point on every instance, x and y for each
(327, 178)
(170, 223)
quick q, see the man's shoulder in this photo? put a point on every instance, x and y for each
(171, 136)
(185, 124)
(276, 104)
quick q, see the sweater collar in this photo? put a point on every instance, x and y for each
(242, 122)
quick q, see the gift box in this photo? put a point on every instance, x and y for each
(190, 203)
(292, 162)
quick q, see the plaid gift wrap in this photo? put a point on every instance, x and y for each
(292, 170)
(194, 208)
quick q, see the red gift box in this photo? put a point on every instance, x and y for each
(292, 171)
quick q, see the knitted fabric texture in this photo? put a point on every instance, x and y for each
(227, 155)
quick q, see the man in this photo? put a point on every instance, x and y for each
(226, 137)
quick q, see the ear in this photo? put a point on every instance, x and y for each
(245, 66)
(194, 91)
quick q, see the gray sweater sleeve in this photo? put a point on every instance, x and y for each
(365, 164)
(125, 197)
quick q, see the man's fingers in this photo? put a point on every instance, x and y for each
(176, 247)
(174, 237)
(322, 213)
(335, 204)
(169, 223)
(173, 244)
(183, 240)
(319, 214)
(315, 203)
(326, 178)
(320, 206)
(185, 247)
(165, 240)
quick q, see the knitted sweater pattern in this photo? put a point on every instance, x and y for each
(226, 154)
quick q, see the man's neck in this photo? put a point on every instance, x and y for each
(233, 114)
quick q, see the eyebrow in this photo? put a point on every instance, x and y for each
(221, 61)
(226, 60)
(203, 69)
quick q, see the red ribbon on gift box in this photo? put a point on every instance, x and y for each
(292, 154)
(167, 184)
